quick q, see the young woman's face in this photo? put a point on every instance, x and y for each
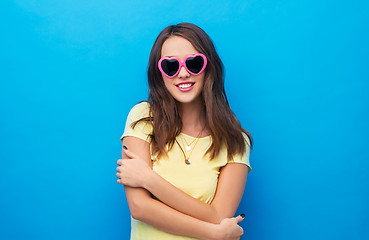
(185, 87)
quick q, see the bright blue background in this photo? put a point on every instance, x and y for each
(296, 76)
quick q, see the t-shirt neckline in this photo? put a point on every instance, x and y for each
(201, 138)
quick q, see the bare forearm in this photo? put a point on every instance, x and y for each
(180, 201)
(161, 216)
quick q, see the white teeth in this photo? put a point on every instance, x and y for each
(186, 85)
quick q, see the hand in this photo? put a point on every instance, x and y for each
(133, 171)
(228, 228)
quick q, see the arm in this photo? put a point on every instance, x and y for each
(225, 202)
(157, 214)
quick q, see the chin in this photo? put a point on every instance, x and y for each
(186, 99)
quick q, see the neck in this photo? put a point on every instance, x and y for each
(193, 117)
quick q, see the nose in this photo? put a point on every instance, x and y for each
(183, 74)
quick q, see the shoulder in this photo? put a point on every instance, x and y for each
(247, 140)
(244, 157)
(140, 110)
(136, 128)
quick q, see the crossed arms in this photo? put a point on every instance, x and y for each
(174, 211)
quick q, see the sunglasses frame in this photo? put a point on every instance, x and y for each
(183, 64)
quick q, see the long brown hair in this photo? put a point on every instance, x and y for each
(164, 116)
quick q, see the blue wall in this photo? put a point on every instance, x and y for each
(296, 76)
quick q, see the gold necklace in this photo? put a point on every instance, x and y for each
(188, 147)
(187, 159)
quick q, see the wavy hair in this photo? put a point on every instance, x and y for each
(223, 125)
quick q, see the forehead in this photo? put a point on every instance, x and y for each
(177, 46)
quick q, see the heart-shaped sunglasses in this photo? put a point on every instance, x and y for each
(194, 64)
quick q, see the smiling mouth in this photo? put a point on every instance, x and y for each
(185, 85)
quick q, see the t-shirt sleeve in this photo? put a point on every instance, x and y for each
(246, 155)
(142, 129)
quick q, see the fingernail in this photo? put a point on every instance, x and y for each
(125, 148)
(242, 215)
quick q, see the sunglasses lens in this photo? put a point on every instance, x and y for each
(195, 64)
(170, 66)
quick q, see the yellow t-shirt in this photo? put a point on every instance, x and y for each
(198, 179)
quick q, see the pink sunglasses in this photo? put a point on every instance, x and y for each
(194, 64)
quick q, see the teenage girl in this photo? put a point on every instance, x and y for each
(185, 156)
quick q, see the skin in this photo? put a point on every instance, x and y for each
(189, 102)
(178, 212)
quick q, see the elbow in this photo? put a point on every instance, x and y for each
(138, 208)
(135, 214)
(220, 216)
(217, 217)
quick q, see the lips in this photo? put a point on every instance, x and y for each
(185, 86)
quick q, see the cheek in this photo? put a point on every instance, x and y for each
(167, 82)
(201, 79)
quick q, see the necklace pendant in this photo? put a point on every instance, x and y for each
(188, 148)
(188, 161)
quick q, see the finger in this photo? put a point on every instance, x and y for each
(129, 153)
(239, 218)
(121, 161)
(241, 230)
(118, 175)
(118, 169)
